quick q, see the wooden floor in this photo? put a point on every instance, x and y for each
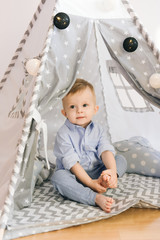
(133, 224)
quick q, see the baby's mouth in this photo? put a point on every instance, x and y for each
(81, 117)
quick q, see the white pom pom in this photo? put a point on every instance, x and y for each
(154, 80)
(32, 66)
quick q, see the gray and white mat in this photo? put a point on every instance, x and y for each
(49, 211)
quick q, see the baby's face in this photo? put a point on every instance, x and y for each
(80, 107)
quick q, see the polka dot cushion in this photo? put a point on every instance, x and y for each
(141, 157)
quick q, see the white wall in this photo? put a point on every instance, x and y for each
(15, 16)
(148, 13)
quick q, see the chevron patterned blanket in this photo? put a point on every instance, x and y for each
(50, 211)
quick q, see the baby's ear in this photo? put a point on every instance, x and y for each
(63, 112)
(96, 108)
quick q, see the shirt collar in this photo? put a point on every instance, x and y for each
(73, 127)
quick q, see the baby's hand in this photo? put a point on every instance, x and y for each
(96, 185)
(109, 178)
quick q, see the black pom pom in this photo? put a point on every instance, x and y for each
(61, 20)
(130, 44)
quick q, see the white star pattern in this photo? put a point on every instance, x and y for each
(78, 39)
(145, 74)
(78, 26)
(47, 72)
(65, 56)
(48, 85)
(66, 43)
(143, 61)
(26, 200)
(125, 33)
(111, 28)
(122, 21)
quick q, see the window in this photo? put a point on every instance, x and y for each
(129, 98)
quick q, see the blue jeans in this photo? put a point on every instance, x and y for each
(69, 186)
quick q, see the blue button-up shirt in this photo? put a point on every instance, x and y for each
(77, 144)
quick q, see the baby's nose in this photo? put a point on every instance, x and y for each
(79, 109)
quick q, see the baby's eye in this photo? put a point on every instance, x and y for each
(85, 105)
(72, 106)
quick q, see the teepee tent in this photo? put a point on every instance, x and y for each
(127, 83)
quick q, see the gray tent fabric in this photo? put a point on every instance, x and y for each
(140, 64)
(62, 65)
(66, 55)
(53, 88)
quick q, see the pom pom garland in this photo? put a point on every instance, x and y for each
(32, 66)
(154, 80)
(61, 20)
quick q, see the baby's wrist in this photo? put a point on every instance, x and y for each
(91, 183)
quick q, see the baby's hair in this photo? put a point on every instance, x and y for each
(79, 85)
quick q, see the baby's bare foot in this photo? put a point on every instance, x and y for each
(104, 180)
(105, 203)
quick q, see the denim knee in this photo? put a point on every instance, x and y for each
(121, 164)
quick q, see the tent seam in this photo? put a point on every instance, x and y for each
(140, 27)
(108, 127)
